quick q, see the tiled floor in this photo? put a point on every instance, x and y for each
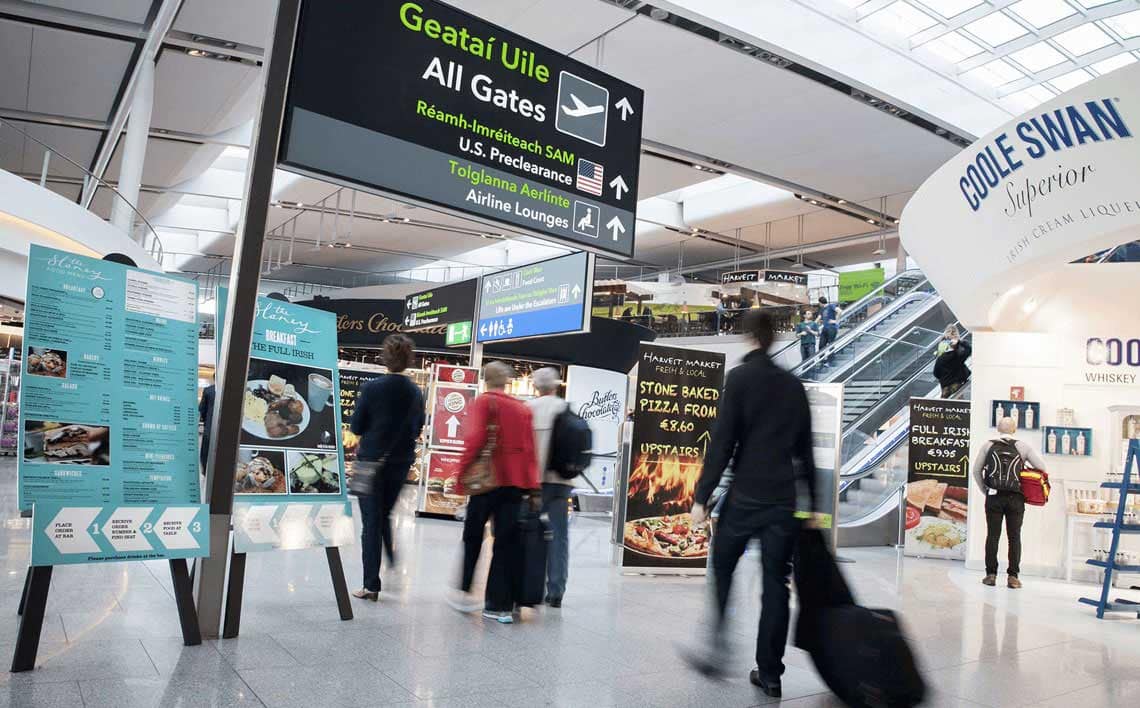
(111, 637)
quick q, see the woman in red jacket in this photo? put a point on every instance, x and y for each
(516, 472)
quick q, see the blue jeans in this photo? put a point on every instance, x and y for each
(376, 520)
(807, 349)
(556, 504)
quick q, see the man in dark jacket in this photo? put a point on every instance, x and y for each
(763, 427)
(950, 367)
(206, 418)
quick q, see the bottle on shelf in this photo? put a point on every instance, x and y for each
(1029, 417)
(999, 413)
(1015, 413)
(1051, 442)
(1081, 443)
(1066, 443)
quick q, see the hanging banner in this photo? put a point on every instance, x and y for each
(536, 300)
(854, 284)
(938, 478)
(599, 397)
(108, 433)
(451, 306)
(460, 375)
(290, 458)
(678, 392)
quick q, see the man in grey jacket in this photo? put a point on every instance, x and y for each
(555, 490)
(996, 472)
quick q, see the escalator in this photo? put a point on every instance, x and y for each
(884, 355)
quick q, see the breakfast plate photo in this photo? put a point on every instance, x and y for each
(273, 410)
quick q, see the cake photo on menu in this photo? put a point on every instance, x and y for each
(42, 361)
(66, 443)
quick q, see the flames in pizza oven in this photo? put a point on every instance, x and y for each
(665, 483)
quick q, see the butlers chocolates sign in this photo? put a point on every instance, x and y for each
(367, 323)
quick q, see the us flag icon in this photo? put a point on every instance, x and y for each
(590, 177)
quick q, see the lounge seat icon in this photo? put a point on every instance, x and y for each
(586, 223)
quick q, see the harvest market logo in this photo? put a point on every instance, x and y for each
(1046, 134)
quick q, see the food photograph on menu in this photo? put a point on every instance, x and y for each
(260, 472)
(313, 472)
(54, 442)
(288, 405)
(42, 361)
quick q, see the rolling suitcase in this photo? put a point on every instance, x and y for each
(535, 538)
(860, 653)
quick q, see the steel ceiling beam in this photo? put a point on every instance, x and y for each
(163, 20)
(236, 137)
(84, 22)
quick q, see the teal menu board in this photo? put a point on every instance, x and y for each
(108, 412)
(289, 485)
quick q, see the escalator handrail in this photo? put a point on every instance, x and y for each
(863, 302)
(933, 300)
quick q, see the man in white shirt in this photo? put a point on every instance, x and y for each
(555, 490)
(997, 471)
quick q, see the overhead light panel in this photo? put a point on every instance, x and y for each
(1126, 26)
(1113, 63)
(951, 8)
(1038, 57)
(996, 29)
(1042, 13)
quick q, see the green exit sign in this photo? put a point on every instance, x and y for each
(458, 333)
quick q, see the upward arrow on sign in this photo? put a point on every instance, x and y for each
(625, 107)
(576, 291)
(619, 186)
(616, 227)
(452, 424)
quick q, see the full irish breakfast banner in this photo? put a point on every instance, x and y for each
(938, 478)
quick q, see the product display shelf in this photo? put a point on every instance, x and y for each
(1119, 528)
(9, 400)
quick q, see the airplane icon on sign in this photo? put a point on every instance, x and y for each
(580, 110)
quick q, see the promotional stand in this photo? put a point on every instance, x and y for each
(108, 463)
(1129, 485)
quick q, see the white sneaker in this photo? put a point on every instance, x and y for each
(500, 617)
(463, 602)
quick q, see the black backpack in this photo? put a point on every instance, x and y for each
(1003, 466)
(570, 443)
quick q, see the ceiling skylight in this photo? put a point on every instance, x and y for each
(1042, 13)
(1013, 52)
(996, 29)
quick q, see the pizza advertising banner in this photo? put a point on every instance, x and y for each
(938, 478)
(677, 395)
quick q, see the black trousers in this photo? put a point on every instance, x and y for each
(376, 520)
(777, 528)
(827, 336)
(1010, 508)
(501, 507)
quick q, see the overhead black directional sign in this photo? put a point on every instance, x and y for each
(425, 101)
(444, 305)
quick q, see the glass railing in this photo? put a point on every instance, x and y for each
(871, 306)
(25, 155)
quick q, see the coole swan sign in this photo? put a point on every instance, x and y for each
(1041, 191)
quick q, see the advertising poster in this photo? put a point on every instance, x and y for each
(289, 487)
(450, 406)
(854, 284)
(459, 375)
(599, 397)
(826, 403)
(442, 476)
(938, 478)
(678, 392)
(352, 380)
(108, 428)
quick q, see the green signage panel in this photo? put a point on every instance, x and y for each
(458, 334)
(857, 283)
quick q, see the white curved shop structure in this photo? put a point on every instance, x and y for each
(997, 229)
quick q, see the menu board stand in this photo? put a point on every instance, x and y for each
(235, 587)
(33, 604)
